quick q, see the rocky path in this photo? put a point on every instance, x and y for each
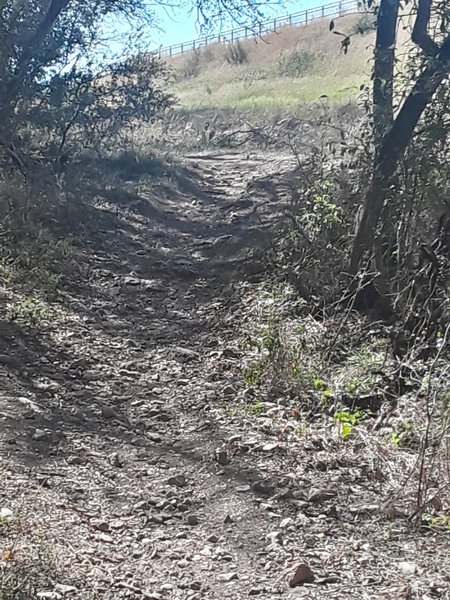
(120, 447)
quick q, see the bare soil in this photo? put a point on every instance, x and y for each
(121, 457)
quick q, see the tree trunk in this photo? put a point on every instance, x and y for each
(392, 137)
(391, 150)
(383, 73)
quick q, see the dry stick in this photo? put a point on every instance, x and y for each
(346, 317)
(421, 490)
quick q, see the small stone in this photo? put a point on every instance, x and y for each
(262, 487)
(255, 591)
(286, 522)
(100, 525)
(275, 537)
(222, 457)
(227, 577)
(242, 489)
(6, 515)
(407, 568)
(75, 460)
(166, 587)
(108, 412)
(40, 435)
(142, 505)
(228, 519)
(177, 480)
(157, 519)
(270, 446)
(115, 460)
(192, 520)
(213, 539)
(320, 495)
(303, 574)
(104, 537)
(196, 585)
(65, 589)
(183, 563)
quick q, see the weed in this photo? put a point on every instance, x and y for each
(321, 212)
(30, 311)
(346, 421)
(440, 522)
(252, 374)
(360, 374)
(403, 435)
(366, 24)
(296, 64)
(254, 408)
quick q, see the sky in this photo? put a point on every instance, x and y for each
(178, 25)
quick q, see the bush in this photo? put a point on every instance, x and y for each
(235, 54)
(364, 25)
(191, 66)
(296, 64)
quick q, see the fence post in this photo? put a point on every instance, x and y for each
(260, 29)
(246, 31)
(290, 19)
(182, 48)
(306, 17)
(340, 8)
(323, 11)
(232, 35)
(274, 24)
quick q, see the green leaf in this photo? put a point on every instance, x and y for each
(346, 430)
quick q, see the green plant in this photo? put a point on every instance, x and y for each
(252, 374)
(359, 374)
(400, 437)
(346, 421)
(322, 212)
(30, 310)
(440, 522)
(254, 408)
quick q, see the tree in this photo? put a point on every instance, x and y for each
(393, 132)
(51, 86)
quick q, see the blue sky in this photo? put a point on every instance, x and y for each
(178, 25)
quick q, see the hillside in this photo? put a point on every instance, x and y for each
(294, 66)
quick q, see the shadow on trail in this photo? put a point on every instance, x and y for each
(153, 280)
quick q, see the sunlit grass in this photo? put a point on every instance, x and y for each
(278, 92)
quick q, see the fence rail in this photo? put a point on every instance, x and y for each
(259, 29)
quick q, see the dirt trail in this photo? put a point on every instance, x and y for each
(123, 451)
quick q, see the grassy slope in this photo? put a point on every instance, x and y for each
(206, 80)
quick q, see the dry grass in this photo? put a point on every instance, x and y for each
(206, 79)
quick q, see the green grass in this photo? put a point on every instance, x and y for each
(277, 92)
